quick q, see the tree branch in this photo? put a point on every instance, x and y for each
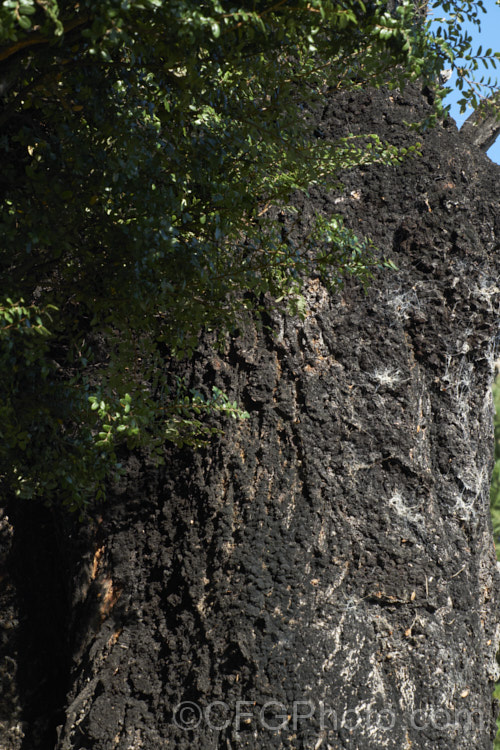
(36, 38)
(482, 128)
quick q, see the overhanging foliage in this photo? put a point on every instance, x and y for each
(145, 145)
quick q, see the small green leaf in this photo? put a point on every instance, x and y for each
(24, 22)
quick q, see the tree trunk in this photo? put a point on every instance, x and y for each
(324, 575)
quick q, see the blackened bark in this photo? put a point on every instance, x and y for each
(324, 576)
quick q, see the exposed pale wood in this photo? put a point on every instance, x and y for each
(482, 128)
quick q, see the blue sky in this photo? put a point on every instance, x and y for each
(489, 36)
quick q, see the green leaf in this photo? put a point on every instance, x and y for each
(24, 22)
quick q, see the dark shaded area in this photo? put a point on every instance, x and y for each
(40, 578)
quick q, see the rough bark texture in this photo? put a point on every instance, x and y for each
(332, 555)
